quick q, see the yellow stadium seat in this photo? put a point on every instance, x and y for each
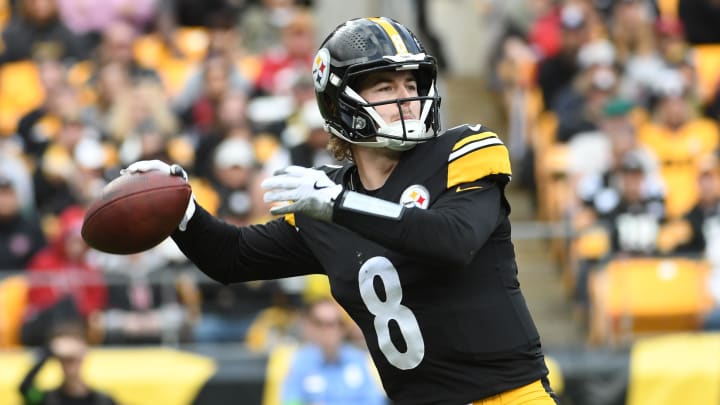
(555, 375)
(149, 50)
(680, 368)
(13, 299)
(193, 42)
(278, 366)
(648, 295)
(707, 66)
(20, 91)
(174, 73)
(668, 8)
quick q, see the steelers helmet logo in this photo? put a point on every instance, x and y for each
(321, 69)
(415, 196)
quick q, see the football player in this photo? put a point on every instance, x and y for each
(413, 233)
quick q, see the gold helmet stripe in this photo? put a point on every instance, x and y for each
(397, 41)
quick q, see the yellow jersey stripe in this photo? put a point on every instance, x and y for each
(290, 219)
(478, 163)
(471, 138)
(397, 41)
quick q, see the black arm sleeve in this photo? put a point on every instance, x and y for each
(230, 254)
(450, 232)
(28, 390)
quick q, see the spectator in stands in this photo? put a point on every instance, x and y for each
(68, 344)
(544, 32)
(91, 161)
(141, 120)
(579, 106)
(666, 49)
(39, 126)
(38, 32)
(312, 151)
(232, 121)
(56, 184)
(627, 214)
(63, 285)
(199, 100)
(631, 29)
(702, 222)
(233, 178)
(556, 72)
(261, 23)
(281, 64)
(21, 236)
(677, 136)
(328, 369)
(295, 130)
(112, 83)
(635, 214)
(144, 302)
(116, 46)
(93, 17)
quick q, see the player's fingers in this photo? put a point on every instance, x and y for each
(298, 171)
(280, 182)
(146, 166)
(283, 209)
(277, 195)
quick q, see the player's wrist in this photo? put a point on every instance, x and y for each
(352, 201)
(189, 212)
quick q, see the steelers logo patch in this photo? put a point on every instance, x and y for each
(415, 196)
(321, 69)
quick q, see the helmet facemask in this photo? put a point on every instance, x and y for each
(402, 134)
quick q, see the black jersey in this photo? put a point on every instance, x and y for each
(435, 292)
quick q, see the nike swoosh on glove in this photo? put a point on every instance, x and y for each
(308, 191)
(143, 166)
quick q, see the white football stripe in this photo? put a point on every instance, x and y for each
(474, 145)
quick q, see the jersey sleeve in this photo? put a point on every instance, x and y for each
(228, 254)
(451, 232)
(477, 156)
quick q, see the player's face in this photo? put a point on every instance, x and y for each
(391, 85)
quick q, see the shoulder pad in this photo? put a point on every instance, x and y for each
(477, 152)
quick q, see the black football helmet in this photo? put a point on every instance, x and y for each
(361, 46)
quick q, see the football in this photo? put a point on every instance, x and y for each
(135, 212)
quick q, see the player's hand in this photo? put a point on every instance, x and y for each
(144, 166)
(306, 191)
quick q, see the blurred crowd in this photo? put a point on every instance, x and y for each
(221, 87)
(613, 111)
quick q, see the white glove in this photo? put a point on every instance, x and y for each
(308, 191)
(143, 166)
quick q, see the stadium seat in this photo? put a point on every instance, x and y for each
(668, 8)
(555, 376)
(635, 296)
(20, 92)
(278, 366)
(193, 42)
(13, 299)
(707, 65)
(675, 369)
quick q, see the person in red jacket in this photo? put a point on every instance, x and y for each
(63, 285)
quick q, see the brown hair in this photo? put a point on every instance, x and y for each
(339, 148)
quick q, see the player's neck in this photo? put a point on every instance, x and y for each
(375, 165)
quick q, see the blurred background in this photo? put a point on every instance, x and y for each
(610, 109)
